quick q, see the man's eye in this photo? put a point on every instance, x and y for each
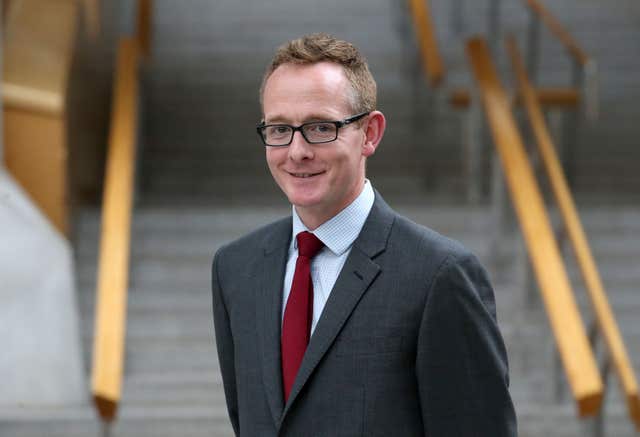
(321, 128)
(278, 130)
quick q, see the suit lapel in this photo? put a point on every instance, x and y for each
(358, 273)
(268, 309)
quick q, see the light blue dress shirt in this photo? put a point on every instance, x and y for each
(338, 235)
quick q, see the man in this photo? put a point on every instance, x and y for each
(347, 319)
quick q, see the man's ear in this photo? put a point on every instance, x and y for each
(374, 130)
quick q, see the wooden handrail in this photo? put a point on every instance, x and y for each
(113, 265)
(572, 343)
(548, 97)
(559, 31)
(431, 57)
(143, 26)
(602, 309)
(32, 99)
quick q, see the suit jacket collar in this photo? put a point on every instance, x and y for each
(359, 271)
(375, 233)
(268, 308)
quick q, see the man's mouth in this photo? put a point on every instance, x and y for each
(304, 175)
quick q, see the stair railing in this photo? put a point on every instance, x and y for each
(115, 240)
(580, 95)
(584, 68)
(433, 64)
(143, 25)
(571, 340)
(115, 237)
(604, 321)
(584, 76)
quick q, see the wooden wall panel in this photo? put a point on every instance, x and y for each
(36, 155)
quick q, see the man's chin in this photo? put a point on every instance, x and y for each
(305, 200)
(305, 203)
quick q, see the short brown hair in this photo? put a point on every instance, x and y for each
(321, 47)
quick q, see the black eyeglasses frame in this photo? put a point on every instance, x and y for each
(338, 124)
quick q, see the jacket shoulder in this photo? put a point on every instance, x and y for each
(426, 241)
(267, 237)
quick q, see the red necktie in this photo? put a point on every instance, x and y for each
(298, 314)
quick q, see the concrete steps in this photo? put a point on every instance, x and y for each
(172, 383)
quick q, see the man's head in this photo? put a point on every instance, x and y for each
(320, 47)
(312, 80)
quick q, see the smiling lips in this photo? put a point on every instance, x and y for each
(304, 175)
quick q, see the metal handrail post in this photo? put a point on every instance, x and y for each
(499, 211)
(105, 429)
(457, 16)
(598, 424)
(533, 47)
(559, 391)
(600, 419)
(473, 145)
(571, 126)
(591, 90)
(402, 24)
(494, 31)
(531, 286)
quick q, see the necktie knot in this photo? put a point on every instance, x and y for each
(308, 244)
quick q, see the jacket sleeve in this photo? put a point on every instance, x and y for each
(224, 344)
(461, 363)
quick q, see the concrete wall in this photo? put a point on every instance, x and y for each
(41, 361)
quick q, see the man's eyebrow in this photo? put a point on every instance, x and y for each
(319, 117)
(276, 119)
(280, 119)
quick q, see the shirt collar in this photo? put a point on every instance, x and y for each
(339, 232)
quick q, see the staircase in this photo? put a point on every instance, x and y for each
(203, 182)
(172, 384)
(200, 144)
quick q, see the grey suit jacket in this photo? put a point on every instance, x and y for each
(407, 344)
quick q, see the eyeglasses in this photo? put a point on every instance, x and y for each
(315, 132)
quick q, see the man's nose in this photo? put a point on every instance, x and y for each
(300, 149)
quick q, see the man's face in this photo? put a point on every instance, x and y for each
(319, 179)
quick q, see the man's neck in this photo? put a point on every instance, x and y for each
(313, 220)
(314, 217)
